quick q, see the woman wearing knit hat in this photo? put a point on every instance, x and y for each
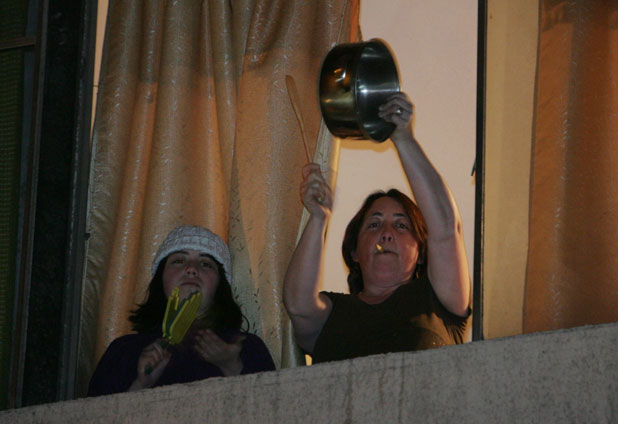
(192, 260)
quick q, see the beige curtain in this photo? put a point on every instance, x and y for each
(194, 125)
(572, 276)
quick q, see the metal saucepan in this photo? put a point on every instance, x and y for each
(355, 79)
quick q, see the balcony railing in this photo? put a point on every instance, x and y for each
(566, 376)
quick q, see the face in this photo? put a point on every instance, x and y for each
(191, 271)
(386, 224)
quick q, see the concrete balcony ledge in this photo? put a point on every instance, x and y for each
(565, 376)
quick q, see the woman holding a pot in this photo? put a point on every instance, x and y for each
(408, 272)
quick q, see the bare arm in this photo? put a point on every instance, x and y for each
(447, 262)
(308, 309)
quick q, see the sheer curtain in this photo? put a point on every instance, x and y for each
(572, 276)
(194, 125)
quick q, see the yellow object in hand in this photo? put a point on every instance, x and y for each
(179, 316)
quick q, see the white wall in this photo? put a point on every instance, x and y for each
(435, 45)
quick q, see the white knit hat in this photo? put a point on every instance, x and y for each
(195, 238)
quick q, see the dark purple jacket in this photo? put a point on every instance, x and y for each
(117, 369)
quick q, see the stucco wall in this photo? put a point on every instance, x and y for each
(567, 376)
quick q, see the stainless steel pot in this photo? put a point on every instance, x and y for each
(355, 79)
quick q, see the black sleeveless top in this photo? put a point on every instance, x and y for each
(412, 318)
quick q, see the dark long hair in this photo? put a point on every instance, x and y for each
(223, 315)
(350, 239)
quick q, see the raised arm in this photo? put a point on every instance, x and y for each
(308, 309)
(447, 262)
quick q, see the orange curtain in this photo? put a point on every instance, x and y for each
(572, 276)
(194, 125)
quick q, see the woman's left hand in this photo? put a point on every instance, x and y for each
(215, 350)
(398, 109)
(447, 264)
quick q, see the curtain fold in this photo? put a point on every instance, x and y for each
(194, 125)
(572, 276)
(265, 208)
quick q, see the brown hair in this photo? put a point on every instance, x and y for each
(350, 239)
